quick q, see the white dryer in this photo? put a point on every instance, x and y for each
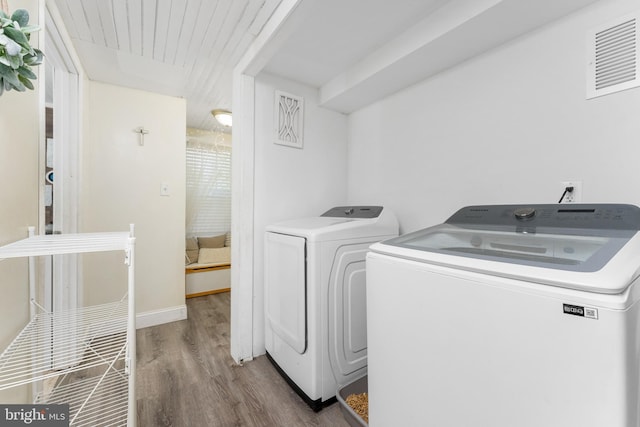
(508, 316)
(315, 297)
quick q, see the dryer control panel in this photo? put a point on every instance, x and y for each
(354, 212)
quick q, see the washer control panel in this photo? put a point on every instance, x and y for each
(582, 216)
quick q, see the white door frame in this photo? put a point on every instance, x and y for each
(67, 89)
(242, 223)
(266, 44)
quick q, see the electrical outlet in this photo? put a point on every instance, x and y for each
(576, 195)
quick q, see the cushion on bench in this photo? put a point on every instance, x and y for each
(211, 257)
(214, 255)
(194, 246)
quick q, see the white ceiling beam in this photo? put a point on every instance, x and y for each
(242, 30)
(242, 47)
(288, 16)
(454, 33)
(262, 16)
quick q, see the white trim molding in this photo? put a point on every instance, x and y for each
(242, 178)
(162, 316)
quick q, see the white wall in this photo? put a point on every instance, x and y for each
(290, 182)
(505, 127)
(121, 183)
(19, 142)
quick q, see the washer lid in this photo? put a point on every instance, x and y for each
(549, 243)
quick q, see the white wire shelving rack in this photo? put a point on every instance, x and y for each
(88, 353)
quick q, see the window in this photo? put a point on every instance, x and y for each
(208, 182)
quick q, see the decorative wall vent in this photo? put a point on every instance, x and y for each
(289, 119)
(614, 51)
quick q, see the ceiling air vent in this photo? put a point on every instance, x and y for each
(613, 57)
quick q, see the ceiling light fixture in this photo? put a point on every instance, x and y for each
(223, 117)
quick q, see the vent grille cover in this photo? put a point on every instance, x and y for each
(289, 119)
(613, 57)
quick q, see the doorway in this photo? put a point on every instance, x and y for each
(208, 212)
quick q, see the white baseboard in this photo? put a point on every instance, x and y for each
(158, 317)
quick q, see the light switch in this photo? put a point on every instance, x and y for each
(164, 189)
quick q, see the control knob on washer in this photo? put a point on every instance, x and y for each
(524, 213)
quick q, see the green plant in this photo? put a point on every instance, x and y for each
(16, 54)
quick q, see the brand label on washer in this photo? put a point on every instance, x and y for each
(577, 310)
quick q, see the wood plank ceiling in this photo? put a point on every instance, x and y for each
(184, 48)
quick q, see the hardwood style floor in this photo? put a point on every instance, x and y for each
(186, 377)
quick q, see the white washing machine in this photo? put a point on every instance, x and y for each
(508, 316)
(315, 297)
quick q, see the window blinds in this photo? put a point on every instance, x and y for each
(208, 176)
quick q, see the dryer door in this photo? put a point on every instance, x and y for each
(285, 288)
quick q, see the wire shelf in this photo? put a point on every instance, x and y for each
(97, 401)
(58, 244)
(65, 347)
(71, 340)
